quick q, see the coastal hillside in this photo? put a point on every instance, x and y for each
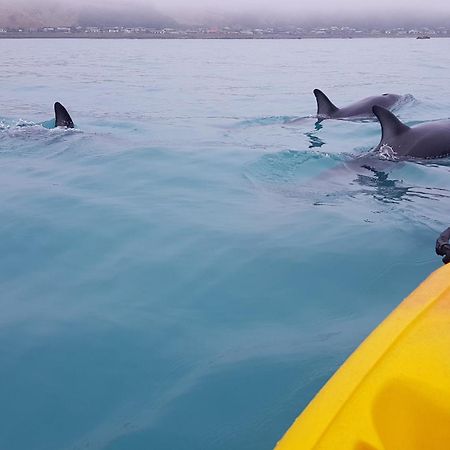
(49, 13)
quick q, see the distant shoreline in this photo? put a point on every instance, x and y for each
(212, 36)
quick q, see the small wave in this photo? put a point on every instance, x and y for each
(21, 130)
(301, 156)
(437, 162)
(326, 179)
(301, 120)
(32, 133)
(21, 123)
(271, 120)
(289, 165)
(3, 126)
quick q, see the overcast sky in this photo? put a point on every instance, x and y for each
(434, 7)
(302, 5)
(198, 10)
(286, 8)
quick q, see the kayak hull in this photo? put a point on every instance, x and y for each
(393, 392)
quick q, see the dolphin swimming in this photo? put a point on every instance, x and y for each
(428, 140)
(361, 109)
(62, 117)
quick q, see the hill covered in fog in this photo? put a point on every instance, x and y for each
(142, 13)
(25, 13)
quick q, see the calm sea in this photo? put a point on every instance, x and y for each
(184, 270)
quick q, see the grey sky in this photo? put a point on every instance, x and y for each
(435, 6)
(299, 5)
(302, 8)
(44, 11)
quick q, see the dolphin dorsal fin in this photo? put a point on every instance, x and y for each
(390, 125)
(62, 117)
(325, 107)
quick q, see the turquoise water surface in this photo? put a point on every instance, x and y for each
(187, 267)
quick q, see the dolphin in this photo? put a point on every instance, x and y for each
(361, 109)
(428, 140)
(62, 117)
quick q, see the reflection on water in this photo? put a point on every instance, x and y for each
(383, 187)
(315, 141)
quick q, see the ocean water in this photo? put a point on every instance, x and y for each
(187, 267)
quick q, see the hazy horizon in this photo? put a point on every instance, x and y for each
(214, 12)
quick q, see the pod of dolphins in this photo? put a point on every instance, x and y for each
(425, 141)
(429, 140)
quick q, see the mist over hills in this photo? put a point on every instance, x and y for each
(139, 13)
(26, 14)
(315, 17)
(52, 13)
(130, 15)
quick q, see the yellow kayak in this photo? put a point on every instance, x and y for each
(393, 392)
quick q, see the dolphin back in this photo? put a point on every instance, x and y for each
(62, 117)
(391, 126)
(325, 108)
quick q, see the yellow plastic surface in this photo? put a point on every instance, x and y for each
(393, 392)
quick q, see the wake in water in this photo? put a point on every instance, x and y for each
(62, 120)
(33, 131)
(270, 120)
(321, 178)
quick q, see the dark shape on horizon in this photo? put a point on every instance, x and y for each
(62, 117)
(423, 37)
(361, 109)
(428, 140)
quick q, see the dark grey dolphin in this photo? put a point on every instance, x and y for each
(428, 140)
(358, 110)
(62, 117)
